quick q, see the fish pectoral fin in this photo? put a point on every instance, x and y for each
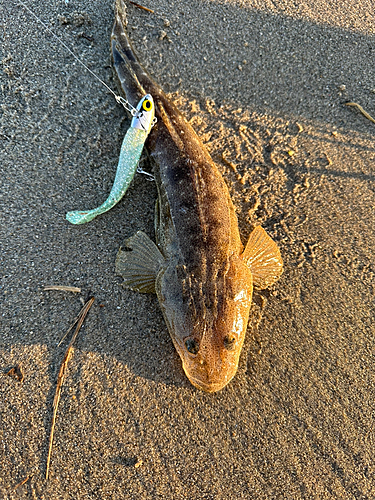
(263, 258)
(139, 263)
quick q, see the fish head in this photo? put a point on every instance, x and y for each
(144, 115)
(208, 335)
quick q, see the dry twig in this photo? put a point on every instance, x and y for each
(22, 482)
(60, 379)
(70, 328)
(361, 110)
(63, 288)
(141, 7)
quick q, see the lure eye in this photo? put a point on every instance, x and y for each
(192, 346)
(147, 105)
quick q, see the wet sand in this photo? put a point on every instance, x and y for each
(264, 85)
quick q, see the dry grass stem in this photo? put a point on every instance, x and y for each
(61, 376)
(70, 328)
(22, 482)
(63, 288)
(365, 114)
(141, 7)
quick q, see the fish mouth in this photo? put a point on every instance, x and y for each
(213, 386)
(208, 379)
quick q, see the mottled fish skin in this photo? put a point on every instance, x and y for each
(204, 286)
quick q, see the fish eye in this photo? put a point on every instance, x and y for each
(192, 346)
(229, 342)
(147, 105)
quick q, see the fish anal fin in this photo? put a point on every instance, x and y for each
(140, 263)
(263, 258)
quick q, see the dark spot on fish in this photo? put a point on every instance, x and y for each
(177, 175)
(126, 249)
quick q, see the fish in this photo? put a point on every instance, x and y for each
(199, 269)
(131, 150)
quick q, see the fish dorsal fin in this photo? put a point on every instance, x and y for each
(140, 264)
(262, 256)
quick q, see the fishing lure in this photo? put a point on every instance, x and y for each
(131, 150)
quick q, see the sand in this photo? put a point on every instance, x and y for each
(264, 84)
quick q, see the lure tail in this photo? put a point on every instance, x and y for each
(131, 151)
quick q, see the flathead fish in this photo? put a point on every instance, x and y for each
(201, 273)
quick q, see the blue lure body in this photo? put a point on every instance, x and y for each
(130, 154)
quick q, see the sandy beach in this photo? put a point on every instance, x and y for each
(264, 83)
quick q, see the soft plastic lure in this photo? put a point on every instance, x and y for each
(131, 149)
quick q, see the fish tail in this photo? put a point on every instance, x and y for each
(124, 58)
(134, 79)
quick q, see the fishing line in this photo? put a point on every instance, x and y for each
(119, 99)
